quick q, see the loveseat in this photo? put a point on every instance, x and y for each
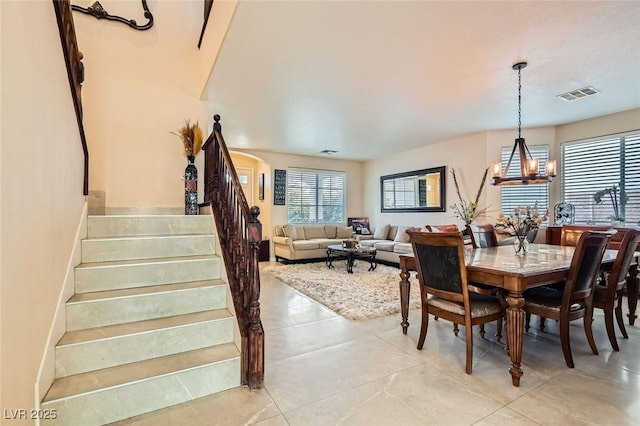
(305, 242)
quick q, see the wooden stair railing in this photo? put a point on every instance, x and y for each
(75, 72)
(208, 4)
(241, 234)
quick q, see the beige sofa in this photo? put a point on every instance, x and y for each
(390, 241)
(305, 242)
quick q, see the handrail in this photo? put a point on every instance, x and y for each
(75, 72)
(240, 246)
(208, 4)
(97, 11)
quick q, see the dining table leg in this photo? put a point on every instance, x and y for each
(405, 288)
(515, 333)
(633, 284)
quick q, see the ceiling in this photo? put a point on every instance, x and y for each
(370, 78)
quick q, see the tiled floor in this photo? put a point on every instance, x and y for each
(322, 369)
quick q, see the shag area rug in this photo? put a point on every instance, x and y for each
(361, 295)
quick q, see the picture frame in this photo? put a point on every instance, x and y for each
(261, 186)
(360, 225)
(279, 187)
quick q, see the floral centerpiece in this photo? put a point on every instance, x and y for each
(617, 201)
(522, 221)
(465, 210)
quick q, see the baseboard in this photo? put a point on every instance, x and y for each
(46, 372)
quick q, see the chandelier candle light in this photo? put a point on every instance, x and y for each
(529, 166)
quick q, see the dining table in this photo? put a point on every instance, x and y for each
(501, 267)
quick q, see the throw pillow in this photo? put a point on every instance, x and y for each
(330, 231)
(290, 231)
(314, 231)
(344, 232)
(381, 232)
(401, 235)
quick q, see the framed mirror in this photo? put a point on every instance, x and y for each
(416, 191)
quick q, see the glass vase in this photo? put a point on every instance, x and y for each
(521, 245)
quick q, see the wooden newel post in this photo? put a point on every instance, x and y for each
(256, 334)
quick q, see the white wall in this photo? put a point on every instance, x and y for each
(41, 166)
(278, 214)
(219, 20)
(139, 87)
(468, 155)
(600, 126)
(258, 166)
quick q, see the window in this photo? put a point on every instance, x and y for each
(315, 196)
(513, 196)
(595, 164)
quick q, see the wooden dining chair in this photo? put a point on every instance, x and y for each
(445, 291)
(609, 290)
(570, 234)
(482, 235)
(454, 228)
(442, 228)
(575, 301)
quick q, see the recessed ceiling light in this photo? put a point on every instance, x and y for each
(328, 151)
(574, 95)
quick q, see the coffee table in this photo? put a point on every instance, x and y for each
(337, 252)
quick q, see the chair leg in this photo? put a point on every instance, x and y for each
(623, 330)
(542, 321)
(499, 330)
(469, 363)
(526, 322)
(608, 322)
(588, 321)
(423, 328)
(482, 332)
(566, 344)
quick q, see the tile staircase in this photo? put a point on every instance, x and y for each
(148, 325)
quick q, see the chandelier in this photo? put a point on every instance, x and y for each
(529, 166)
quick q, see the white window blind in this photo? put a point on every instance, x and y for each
(592, 165)
(513, 196)
(315, 196)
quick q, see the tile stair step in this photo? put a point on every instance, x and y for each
(102, 347)
(102, 308)
(147, 225)
(152, 247)
(140, 387)
(99, 276)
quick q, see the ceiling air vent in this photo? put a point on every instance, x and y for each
(578, 94)
(328, 151)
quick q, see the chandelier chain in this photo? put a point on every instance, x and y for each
(519, 104)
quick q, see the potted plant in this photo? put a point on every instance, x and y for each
(618, 198)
